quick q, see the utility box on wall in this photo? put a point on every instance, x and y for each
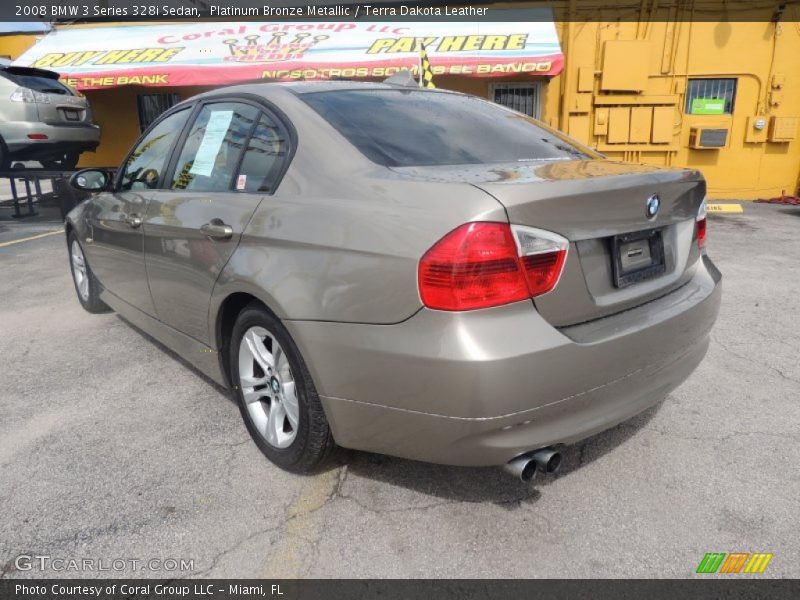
(641, 123)
(782, 129)
(756, 129)
(663, 124)
(619, 125)
(625, 65)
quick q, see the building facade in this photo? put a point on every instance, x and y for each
(668, 86)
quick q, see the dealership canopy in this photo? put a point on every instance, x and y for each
(208, 53)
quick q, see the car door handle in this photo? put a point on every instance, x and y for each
(134, 221)
(217, 230)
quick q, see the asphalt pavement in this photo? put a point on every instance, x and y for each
(113, 449)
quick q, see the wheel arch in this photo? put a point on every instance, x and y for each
(75, 221)
(229, 309)
(71, 227)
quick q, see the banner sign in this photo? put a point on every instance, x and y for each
(208, 53)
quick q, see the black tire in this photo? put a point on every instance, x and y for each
(91, 300)
(5, 162)
(313, 443)
(67, 162)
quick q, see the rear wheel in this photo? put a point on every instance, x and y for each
(276, 395)
(86, 285)
(66, 161)
(5, 162)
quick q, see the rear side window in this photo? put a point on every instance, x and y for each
(211, 152)
(45, 85)
(263, 157)
(399, 128)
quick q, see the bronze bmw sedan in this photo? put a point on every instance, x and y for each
(413, 272)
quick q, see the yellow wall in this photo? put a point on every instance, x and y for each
(12, 46)
(762, 56)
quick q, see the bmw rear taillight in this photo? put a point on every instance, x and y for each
(479, 265)
(701, 225)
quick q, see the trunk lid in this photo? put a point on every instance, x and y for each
(63, 107)
(590, 202)
(65, 111)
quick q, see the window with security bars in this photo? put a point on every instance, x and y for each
(710, 96)
(150, 107)
(522, 97)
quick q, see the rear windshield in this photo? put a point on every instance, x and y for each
(38, 83)
(404, 128)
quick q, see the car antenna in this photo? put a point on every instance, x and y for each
(404, 78)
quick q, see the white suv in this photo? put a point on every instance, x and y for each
(42, 119)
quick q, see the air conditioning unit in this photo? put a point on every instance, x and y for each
(708, 138)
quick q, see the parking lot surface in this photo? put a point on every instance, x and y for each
(113, 448)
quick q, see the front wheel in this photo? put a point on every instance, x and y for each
(276, 395)
(86, 285)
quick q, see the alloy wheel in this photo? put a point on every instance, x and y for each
(79, 272)
(268, 387)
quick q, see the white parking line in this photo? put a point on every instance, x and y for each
(28, 239)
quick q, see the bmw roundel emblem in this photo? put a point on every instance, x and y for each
(653, 204)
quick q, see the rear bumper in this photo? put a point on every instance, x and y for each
(59, 138)
(482, 387)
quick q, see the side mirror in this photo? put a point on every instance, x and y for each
(91, 180)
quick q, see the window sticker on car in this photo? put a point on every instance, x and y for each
(241, 182)
(209, 148)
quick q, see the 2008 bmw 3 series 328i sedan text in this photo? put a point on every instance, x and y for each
(413, 272)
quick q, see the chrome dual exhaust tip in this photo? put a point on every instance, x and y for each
(525, 467)
(548, 460)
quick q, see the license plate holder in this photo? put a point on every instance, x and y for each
(637, 257)
(71, 115)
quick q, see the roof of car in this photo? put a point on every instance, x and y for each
(308, 87)
(273, 90)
